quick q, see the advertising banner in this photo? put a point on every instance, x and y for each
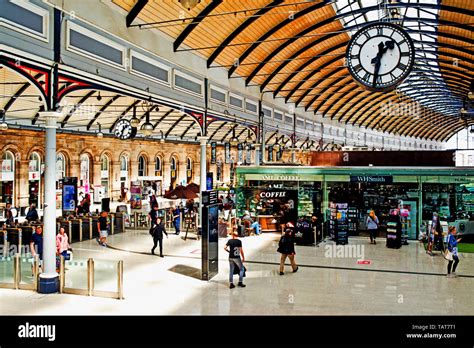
(69, 191)
(227, 153)
(240, 154)
(135, 195)
(213, 152)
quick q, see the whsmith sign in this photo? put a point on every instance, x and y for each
(380, 179)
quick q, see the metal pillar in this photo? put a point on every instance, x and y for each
(203, 175)
(49, 279)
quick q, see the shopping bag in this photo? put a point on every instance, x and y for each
(448, 255)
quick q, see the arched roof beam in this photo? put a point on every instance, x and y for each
(102, 109)
(240, 29)
(195, 22)
(288, 21)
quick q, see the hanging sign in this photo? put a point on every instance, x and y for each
(232, 172)
(213, 152)
(227, 153)
(270, 153)
(240, 154)
(248, 154)
(219, 170)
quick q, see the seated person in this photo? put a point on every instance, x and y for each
(248, 219)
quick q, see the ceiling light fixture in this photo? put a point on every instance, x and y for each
(189, 4)
(3, 125)
(147, 127)
(99, 97)
(234, 141)
(134, 121)
(100, 135)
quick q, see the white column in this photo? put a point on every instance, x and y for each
(49, 277)
(203, 172)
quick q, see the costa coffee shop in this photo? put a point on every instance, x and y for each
(307, 191)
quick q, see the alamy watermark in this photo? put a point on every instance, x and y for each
(348, 251)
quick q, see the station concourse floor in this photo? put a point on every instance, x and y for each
(406, 281)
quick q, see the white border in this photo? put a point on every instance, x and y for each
(76, 27)
(288, 115)
(187, 77)
(44, 36)
(251, 102)
(152, 62)
(221, 90)
(236, 96)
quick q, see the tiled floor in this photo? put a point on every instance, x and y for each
(405, 281)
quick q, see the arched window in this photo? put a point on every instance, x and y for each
(105, 174)
(141, 166)
(158, 170)
(189, 170)
(173, 170)
(34, 179)
(85, 170)
(60, 168)
(7, 178)
(123, 163)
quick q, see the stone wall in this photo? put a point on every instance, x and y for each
(22, 143)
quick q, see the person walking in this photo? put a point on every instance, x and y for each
(152, 215)
(436, 234)
(235, 250)
(157, 234)
(286, 247)
(9, 218)
(32, 214)
(453, 256)
(372, 226)
(36, 244)
(62, 246)
(177, 219)
(102, 226)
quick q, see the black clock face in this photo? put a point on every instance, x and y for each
(380, 56)
(123, 129)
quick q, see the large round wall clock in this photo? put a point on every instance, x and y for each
(124, 130)
(380, 56)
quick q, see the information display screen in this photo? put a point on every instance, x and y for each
(69, 190)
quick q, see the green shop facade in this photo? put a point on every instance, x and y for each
(418, 192)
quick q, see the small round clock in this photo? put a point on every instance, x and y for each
(380, 56)
(124, 130)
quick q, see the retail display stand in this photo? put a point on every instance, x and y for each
(405, 221)
(338, 224)
(352, 221)
(394, 232)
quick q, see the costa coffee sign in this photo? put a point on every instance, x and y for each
(272, 194)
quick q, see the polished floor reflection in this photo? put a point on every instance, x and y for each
(367, 279)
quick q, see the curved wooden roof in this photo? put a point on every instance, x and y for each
(295, 50)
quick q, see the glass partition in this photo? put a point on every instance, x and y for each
(105, 275)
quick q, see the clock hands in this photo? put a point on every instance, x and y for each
(377, 59)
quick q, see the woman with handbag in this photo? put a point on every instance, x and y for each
(451, 253)
(286, 247)
(62, 247)
(372, 226)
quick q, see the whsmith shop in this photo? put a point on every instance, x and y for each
(309, 191)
